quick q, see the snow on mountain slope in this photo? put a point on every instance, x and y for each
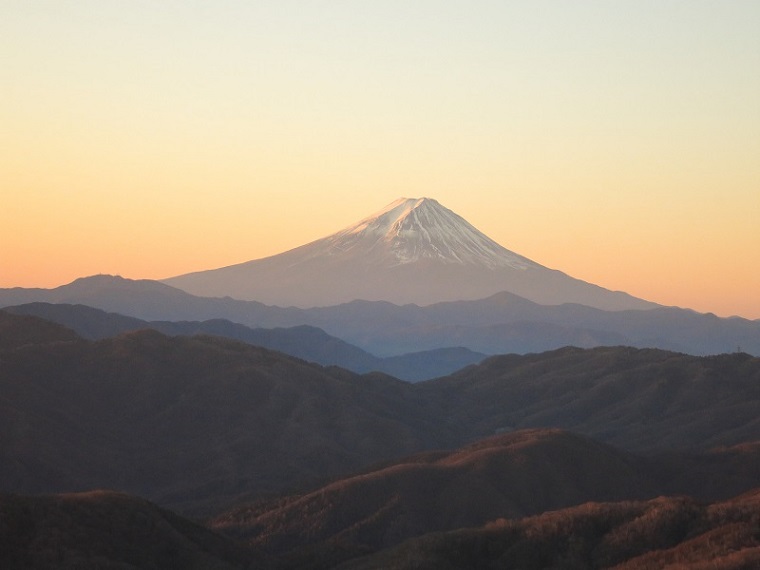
(411, 251)
(412, 229)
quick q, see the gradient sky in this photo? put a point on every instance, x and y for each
(616, 141)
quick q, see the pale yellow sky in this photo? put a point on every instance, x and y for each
(616, 141)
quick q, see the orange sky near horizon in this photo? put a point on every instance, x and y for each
(617, 142)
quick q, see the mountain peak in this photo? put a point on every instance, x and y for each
(414, 229)
(414, 250)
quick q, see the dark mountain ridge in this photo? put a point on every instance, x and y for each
(634, 398)
(103, 529)
(187, 420)
(29, 330)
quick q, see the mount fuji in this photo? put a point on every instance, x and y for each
(412, 251)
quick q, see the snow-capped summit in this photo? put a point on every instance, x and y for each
(412, 251)
(411, 229)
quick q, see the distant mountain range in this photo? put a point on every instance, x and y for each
(411, 251)
(303, 341)
(502, 323)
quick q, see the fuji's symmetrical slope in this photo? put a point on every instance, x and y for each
(412, 251)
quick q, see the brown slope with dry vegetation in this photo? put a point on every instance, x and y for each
(505, 476)
(660, 533)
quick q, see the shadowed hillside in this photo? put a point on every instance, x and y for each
(633, 398)
(189, 420)
(101, 529)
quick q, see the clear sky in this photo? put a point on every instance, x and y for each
(617, 141)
